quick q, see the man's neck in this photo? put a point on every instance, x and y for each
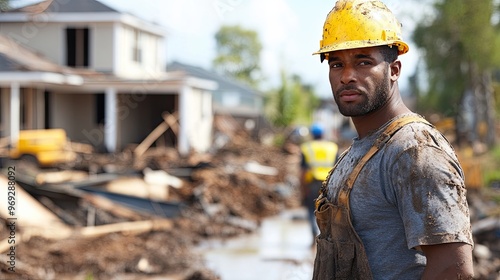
(374, 120)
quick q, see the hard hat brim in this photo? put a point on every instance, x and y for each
(402, 46)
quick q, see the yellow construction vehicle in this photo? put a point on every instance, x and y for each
(48, 147)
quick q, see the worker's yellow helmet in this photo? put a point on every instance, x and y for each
(353, 24)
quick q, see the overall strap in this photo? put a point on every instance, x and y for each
(343, 198)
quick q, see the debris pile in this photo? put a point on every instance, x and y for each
(224, 193)
(82, 232)
(484, 207)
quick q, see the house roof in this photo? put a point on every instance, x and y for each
(7, 64)
(22, 64)
(68, 6)
(225, 84)
(78, 11)
(18, 63)
(15, 57)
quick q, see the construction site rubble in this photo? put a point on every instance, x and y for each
(74, 223)
(89, 236)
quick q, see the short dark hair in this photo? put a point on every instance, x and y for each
(390, 53)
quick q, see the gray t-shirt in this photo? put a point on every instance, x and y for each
(410, 193)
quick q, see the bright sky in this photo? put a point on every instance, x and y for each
(289, 30)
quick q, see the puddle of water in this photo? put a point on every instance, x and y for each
(280, 249)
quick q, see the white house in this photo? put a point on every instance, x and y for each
(97, 73)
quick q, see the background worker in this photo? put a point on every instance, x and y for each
(318, 157)
(405, 214)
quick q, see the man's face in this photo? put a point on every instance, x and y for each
(360, 80)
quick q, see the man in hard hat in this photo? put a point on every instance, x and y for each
(394, 206)
(318, 157)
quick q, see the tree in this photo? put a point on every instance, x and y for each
(4, 5)
(238, 54)
(459, 45)
(292, 102)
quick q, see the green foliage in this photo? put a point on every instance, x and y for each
(4, 5)
(89, 276)
(292, 102)
(458, 43)
(496, 91)
(279, 140)
(281, 105)
(490, 166)
(238, 54)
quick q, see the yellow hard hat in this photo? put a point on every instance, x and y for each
(353, 24)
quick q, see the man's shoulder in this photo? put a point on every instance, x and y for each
(417, 135)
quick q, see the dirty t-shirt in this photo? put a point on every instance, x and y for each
(410, 193)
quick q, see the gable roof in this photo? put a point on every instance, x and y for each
(69, 6)
(23, 64)
(7, 64)
(20, 63)
(15, 57)
(225, 84)
(69, 11)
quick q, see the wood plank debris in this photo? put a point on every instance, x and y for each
(257, 168)
(28, 210)
(61, 176)
(170, 121)
(113, 208)
(126, 227)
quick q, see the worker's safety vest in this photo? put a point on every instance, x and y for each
(320, 157)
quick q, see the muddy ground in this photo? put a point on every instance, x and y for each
(223, 199)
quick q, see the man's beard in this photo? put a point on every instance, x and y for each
(370, 103)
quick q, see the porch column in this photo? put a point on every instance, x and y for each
(15, 111)
(183, 138)
(5, 112)
(39, 108)
(111, 120)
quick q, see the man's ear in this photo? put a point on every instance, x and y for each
(395, 68)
